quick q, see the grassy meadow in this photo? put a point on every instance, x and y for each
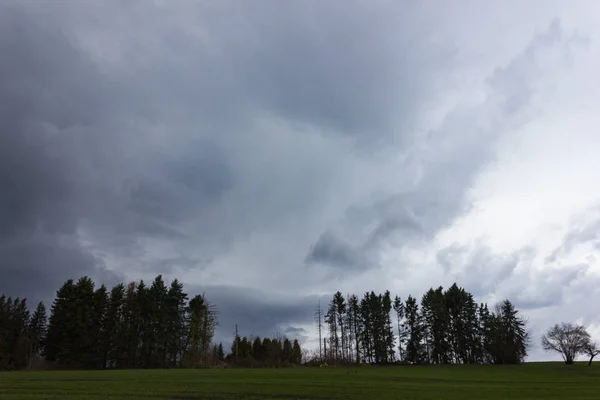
(527, 381)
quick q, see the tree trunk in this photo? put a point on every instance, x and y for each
(591, 358)
(569, 359)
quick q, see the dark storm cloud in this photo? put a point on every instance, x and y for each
(148, 138)
(329, 249)
(35, 267)
(258, 312)
(39, 181)
(65, 165)
(394, 219)
(178, 263)
(318, 64)
(111, 135)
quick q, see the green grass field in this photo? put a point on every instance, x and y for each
(528, 381)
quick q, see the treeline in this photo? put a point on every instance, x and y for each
(445, 327)
(130, 326)
(22, 333)
(268, 352)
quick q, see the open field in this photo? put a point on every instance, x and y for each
(528, 381)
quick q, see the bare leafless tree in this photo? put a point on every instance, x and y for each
(319, 319)
(566, 339)
(591, 349)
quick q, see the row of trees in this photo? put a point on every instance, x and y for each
(22, 333)
(446, 326)
(275, 351)
(130, 326)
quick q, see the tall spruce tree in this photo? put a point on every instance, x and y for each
(36, 333)
(132, 327)
(114, 328)
(366, 337)
(175, 323)
(62, 328)
(339, 303)
(157, 331)
(296, 352)
(14, 336)
(388, 340)
(334, 339)
(98, 347)
(399, 309)
(357, 325)
(200, 331)
(414, 347)
(435, 322)
(513, 335)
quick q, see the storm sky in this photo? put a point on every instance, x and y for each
(269, 153)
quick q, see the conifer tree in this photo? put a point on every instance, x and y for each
(296, 352)
(37, 326)
(114, 328)
(354, 311)
(414, 327)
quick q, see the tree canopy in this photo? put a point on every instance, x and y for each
(446, 326)
(568, 340)
(157, 325)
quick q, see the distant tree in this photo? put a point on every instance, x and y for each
(367, 317)
(266, 350)
(36, 332)
(513, 334)
(399, 309)
(201, 327)
(591, 349)
(98, 348)
(287, 350)
(14, 319)
(339, 303)
(486, 333)
(62, 328)
(457, 299)
(258, 352)
(276, 351)
(156, 324)
(436, 325)
(388, 340)
(334, 339)
(567, 339)
(356, 324)
(114, 329)
(414, 327)
(215, 354)
(175, 316)
(319, 320)
(221, 353)
(296, 352)
(132, 326)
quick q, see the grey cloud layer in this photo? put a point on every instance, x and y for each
(449, 159)
(143, 138)
(108, 143)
